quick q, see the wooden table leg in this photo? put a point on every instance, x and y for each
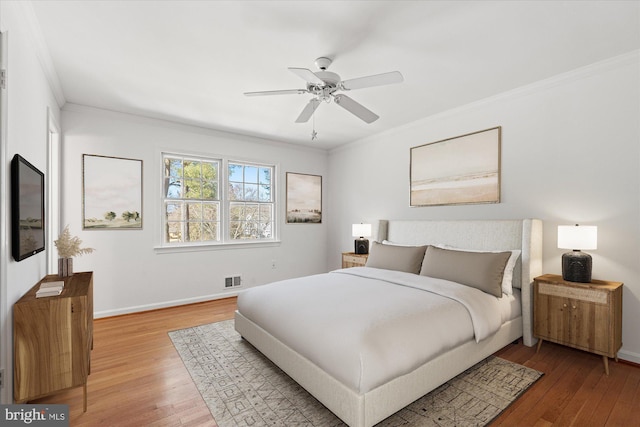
(84, 403)
(605, 360)
(539, 345)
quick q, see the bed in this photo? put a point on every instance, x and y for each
(319, 331)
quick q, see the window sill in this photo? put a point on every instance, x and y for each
(215, 247)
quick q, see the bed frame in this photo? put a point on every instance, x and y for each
(364, 410)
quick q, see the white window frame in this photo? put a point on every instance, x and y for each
(223, 195)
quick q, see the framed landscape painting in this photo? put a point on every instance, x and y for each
(111, 193)
(460, 170)
(304, 198)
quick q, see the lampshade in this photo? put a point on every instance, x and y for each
(577, 237)
(361, 230)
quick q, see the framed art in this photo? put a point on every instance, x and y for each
(27, 209)
(111, 193)
(460, 170)
(304, 198)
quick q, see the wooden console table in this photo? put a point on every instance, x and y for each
(53, 338)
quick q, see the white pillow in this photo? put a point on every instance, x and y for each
(507, 277)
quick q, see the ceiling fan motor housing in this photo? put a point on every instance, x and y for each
(323, 63)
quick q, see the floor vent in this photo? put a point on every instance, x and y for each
(232, 281)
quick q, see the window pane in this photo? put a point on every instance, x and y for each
(251, 174)
(194, 211)
(236, 211)
(235, 230)
(265, 176)
(210, 171)
(210, 231)
(173, 211)
(265, 230)
(251, 212)
(172, 188)
(210, 211)
(236, 191)
(192, 169)
(266, 213)
(193, 189)
(194, 231)
(264, 193)
(173, 167)
(250, 192)
(210, 190)
(174, 232)
(235, 173)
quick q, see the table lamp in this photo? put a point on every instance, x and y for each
(576, 265)
(361, 244)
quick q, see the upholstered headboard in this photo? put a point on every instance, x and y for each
(524, 235)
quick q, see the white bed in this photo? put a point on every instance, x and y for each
(353, 385)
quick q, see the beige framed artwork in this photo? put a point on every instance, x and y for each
(111, 193)
(460, 170)
(304, 198)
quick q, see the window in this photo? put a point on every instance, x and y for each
(250, 201)
(198, 211)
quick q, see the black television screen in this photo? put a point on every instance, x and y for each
(27, 209)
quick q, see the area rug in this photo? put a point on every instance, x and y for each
(242, 387)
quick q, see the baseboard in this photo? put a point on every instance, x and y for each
(165, 304)
(629, 356)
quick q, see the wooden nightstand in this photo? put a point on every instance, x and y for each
(586, 316)
(352, 259)
(53, 338)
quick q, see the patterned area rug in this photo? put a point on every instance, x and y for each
(244, 388)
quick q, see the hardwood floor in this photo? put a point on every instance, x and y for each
(138, 379)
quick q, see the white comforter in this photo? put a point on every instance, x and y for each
(366, 326)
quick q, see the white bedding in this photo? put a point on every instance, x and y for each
(366, 326)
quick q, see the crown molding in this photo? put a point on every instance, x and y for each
(25, 9)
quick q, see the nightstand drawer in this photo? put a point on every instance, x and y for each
(351, 259)
(590, 295)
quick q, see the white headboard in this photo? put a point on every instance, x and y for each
(523, 234)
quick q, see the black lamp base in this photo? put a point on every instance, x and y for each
(361, 246)
(576, 267)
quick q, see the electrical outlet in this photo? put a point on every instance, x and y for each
(273, 264)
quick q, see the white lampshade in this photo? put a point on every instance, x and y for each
(361, 230)
(577, 237)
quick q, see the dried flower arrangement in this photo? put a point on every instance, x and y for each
(68, 246)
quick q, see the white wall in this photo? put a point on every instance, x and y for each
(570, 154)
(129, 274)
(29, 100)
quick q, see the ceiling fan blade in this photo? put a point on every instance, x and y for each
(375, 80)
(307, 75)
(355, 108)
(308, 111)
(277, 92)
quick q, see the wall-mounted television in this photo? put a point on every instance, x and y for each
(27, 209)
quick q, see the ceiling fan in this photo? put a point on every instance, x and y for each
(324, 85)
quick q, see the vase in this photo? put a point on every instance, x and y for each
(65, 267)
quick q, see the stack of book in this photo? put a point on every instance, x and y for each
(50, 289)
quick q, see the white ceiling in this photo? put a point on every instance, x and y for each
(191, 61)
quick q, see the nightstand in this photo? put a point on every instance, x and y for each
(352, 259)
(586, 316)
